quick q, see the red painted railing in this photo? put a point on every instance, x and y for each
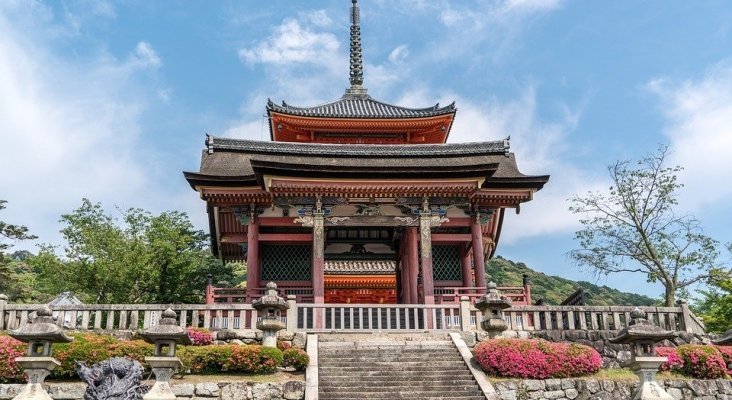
(304, 294)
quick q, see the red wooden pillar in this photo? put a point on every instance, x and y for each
(413, 256)
(253, 266)
(465, 264)
(399, 279)
(318, 271)
(478, 256)
(425, 242)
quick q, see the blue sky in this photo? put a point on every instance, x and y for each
(111, 101)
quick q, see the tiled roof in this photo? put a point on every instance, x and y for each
(349, 150)
(360, 267)
(360, 106)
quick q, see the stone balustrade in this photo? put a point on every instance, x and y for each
(309, 317)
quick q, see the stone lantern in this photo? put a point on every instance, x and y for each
(643, 336)
(269, 308)
(492, 305)
(38, 364)
(165, 336)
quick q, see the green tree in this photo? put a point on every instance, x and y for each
(16, 279)
(142, 258)
(715, 305)
(635, 228)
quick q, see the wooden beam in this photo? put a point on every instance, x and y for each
(286, 237)
(451, 237)
(269, 237)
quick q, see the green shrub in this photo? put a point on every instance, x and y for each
(204, 359)
(254, 359)
(295, 358)
(133, 349)
(87, 347)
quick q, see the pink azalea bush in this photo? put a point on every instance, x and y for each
(536, 359)
(200, 336)
(726, 352)
(675, 363)
(698, 361)
(10, 348)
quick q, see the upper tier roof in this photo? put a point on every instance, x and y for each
(360, 106)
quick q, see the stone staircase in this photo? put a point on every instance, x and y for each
(417, 366)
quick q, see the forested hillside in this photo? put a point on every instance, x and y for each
(553, 289)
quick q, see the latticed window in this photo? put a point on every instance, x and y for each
(286, 262)
(446, 263)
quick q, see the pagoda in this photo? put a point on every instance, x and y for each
(360, 201)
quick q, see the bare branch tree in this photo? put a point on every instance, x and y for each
(634, 228)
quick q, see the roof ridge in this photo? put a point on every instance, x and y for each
(386, 150)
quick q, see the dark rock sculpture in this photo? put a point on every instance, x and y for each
(114, 379)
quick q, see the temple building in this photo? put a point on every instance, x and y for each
(360, 201)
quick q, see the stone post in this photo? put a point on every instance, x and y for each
(686, 315)
(291, 313)
(642, 336)
(38, 364)
(3, 303)
(465, 324)
(270, 307)
(165, 336)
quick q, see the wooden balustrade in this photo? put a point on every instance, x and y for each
(517, 294)
(310, 317)
(217, 295)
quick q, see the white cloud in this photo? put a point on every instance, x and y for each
(698, 116)
(70, 128)
(291, 43)
(529, 6)
(145, 56)
(540, 148)
(399, 54)
(318, 18)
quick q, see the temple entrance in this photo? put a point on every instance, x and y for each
(360, 265)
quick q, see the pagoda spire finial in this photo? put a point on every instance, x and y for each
(356, 61)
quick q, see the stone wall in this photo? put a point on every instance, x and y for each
(613, 355)
(291, 390)
(599, 389)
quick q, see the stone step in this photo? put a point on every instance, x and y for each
(402, 394)
(395, 368)
(395, 382)
(458, 370)
(380, 364)
(359, 371)
(395, 356)
(401, 397)
(467, 389)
